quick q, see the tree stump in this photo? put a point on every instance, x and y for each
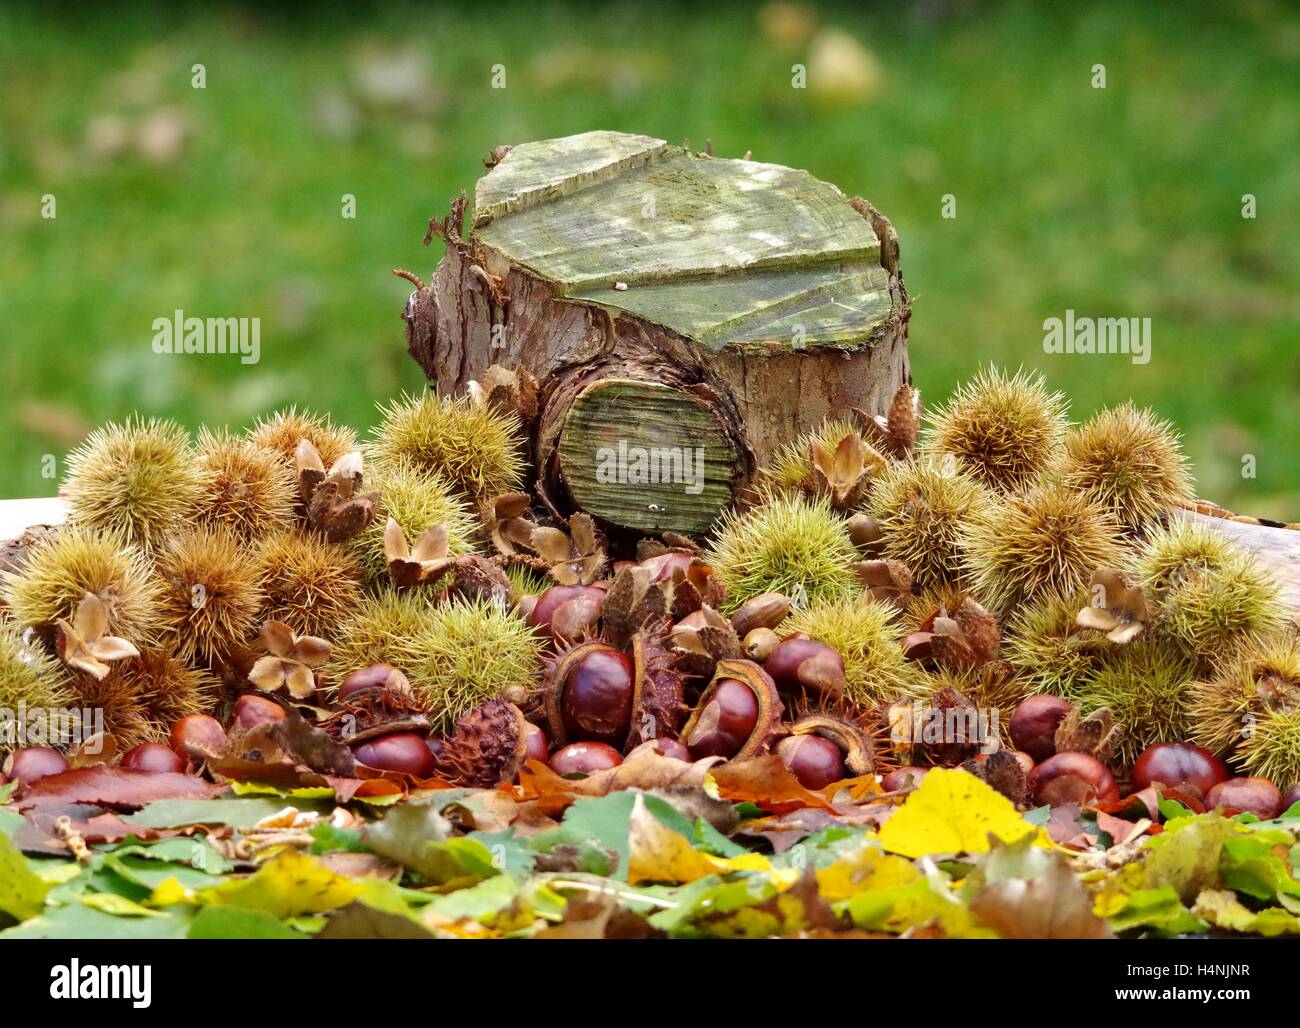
(684, 315)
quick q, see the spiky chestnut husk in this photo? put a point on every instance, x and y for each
(944, 728)
(923, 508)
(862, 631)
(212, 592)
(1146, 686)
(1003, 430)
(923, 607)
(1211, 594)
(993, 688)
(137, 479)
(62, 568)
(466, 653)
(282, 431)
(474, 447)
(1249, 710)
(1130, 462)
(487, 748)
(417, 500)
(310, 584)
(525, 580)
(142, 697)
(1051, 539)
(788, 545)
(1049, 650)
(767, 726)
(246, 487)
(791, 467)
(378, 631)
(29, 677)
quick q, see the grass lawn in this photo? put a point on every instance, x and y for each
(226, 201)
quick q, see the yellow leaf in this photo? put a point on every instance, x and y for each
(954, 812)
(658, 854)
(868, 867)
(169, 893)
(287, 886)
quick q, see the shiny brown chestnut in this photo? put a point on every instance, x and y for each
(584, 758)
(670, 748)
(596, 698)
(33, 763)
(1179, 765)
(799, 664)
(1034, 722)
(549, 602)
(376, 676)
(1253, 795)
(815, 761)
(251, 710)
(153, 756)
(903, 778)
(536, 745)
(401, 752)
(726, 722)
(1077, 777)
(196, 736)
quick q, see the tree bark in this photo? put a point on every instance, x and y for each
(749, 305)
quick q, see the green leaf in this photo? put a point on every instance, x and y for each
(604, 821)
(78, 921)
(9, 822)
(330, 839)
(118, 906)
(1158, 909)
(510, 854)
(224, 922)
(22, 893)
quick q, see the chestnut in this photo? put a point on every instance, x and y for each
(251, 709)
(1254, 795)
(596, 699)
(1033, 724)
(376, 676)
(665, 564)
(34, 763)
(726, 722)
(585, 758)
(1077, 777)
(903, 778)
(798, 663)
(670, 748)
(815, 761)
(1177, 765)
(153, 756)
(1289, 798)
(537, 746)
(544, 610)
(196, 736)
(402, 752)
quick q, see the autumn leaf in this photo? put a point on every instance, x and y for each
(658, 854)
(1042, 899)
(22, 893)
(953, 812)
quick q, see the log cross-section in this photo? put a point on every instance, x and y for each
(750, 300)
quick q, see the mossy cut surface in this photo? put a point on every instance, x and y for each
(726, 252)
(647, 456)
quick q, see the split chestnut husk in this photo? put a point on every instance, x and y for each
(739, 713)
(487, 748)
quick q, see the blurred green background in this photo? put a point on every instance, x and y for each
(226, 200)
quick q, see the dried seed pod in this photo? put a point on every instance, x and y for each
(944, 730)
(888, 581)
(488, 747)
(657, 699)
(1003, 772)
(717, 727)
(698, 648)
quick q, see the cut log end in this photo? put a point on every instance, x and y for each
(647, 456)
